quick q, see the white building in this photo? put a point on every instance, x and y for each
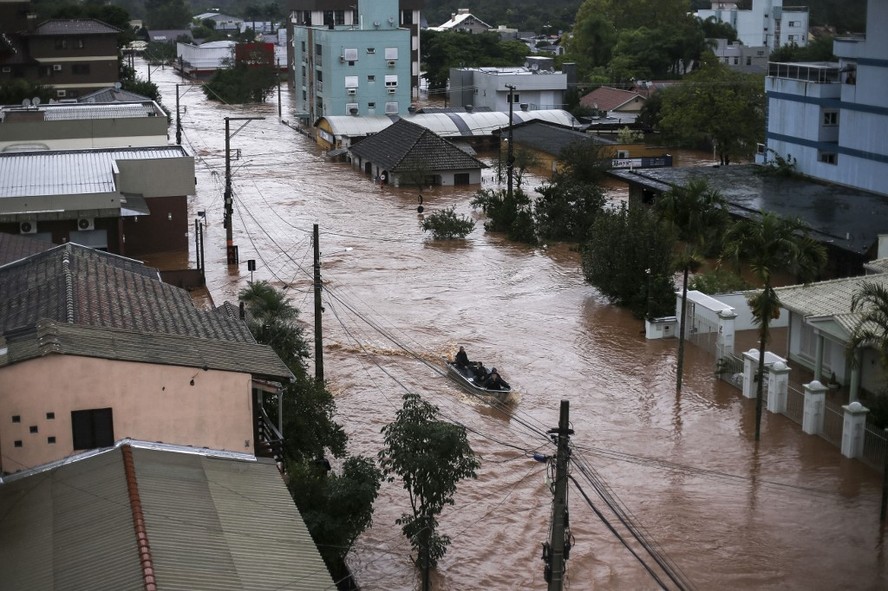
(202, 61)
(831, 116)
(767, 23)
(536, 85)
(742, 58)
(464, 21)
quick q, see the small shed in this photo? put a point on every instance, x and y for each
(407, 153)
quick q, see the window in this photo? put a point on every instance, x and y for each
(32, 429)
(793, 23)
(92, 428)
(371, 78)
(748, 60)
(318, 49)
(830, 118)
(18, 443)
(16, 418)
(516, 98)
(391, 80)
(303, 47)
(61, 44)
(371, 105)
(339, 17)
(406, 17)
(391, 53)
(827, 157)
(79, 44)
(371, 50)
(51, 439)
(791, 38)
(50, 416)
(736, 60)
(6, 69)
(80, 69)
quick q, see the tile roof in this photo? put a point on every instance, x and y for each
(211, 521)
(606, 98)
(405, 146)
(78, 301)
(825, 298)
(75, 26)
(111, 95)
(14, 247)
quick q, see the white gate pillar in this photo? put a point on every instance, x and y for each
(853, 429)
(750, 366)
(778, 387)
(724, 344)
(815, 401)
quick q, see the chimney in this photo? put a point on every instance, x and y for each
(469, 108)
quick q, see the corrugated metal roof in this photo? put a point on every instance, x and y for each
(450, 124)
(78, 26)
(100, 111)
(211, 523)
(28, 174)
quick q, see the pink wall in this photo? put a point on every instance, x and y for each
(149, 402)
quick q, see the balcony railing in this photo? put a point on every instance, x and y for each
(820, 73)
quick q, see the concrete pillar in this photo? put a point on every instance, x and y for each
(778, 387)
(815, 402)
(853, 429)
(750, 366)
(724, 344)
(818, 357)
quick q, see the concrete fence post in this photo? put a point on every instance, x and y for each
(725, 341)
(815, 402)
(853, 429)
(750, 367)
(778, 387)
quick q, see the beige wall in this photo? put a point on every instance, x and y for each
(149, 402)
(157, 177)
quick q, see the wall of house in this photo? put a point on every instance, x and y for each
(768, 23)
(79, 134)
(165, 230)
(157, 177)
(75, 70)
(149, 402)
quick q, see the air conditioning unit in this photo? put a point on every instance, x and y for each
(28, 227)
(351, 91)
(392, 90)
(86, 224)
(392, 63)
(57, 67)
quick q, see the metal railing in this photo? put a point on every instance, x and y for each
(833, 421)
(875, 446)
(795, 404)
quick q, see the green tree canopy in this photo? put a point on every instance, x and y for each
(167, 14)
(242, 84)
(442, 50)
(431, 457)
(717, 106)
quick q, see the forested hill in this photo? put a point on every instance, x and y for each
(534, 15)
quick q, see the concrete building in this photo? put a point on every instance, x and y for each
(768, 23)
(224, 23)
(536, 85)
(742, 58)
(115, 352)
(320, 31)
(830, 117)
(202, 61)
(73, 56)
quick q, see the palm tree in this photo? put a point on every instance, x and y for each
(768, 245)
(272, 320)
(871, 302)
(698, 214)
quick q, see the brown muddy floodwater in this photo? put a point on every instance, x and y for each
(790, 513)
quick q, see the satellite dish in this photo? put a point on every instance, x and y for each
(35, 101)
(26, 103)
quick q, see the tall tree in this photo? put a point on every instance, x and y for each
(430, 456)
(697, 214)
(715, 106)
(771, 244)
(871, 329)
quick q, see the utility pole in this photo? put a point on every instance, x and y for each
(510, 159)
(319, 342)
(279, 87)
(178, 119)
(230, 248)
(557, 551)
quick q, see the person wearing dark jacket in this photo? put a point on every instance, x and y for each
(462, 359)
(495, 382)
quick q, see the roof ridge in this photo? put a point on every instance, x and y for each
(146, 562)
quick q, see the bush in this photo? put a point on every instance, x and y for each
(718, 281)
(446, 225)
(512, 215)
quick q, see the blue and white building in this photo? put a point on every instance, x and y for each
(831, 118)
(767, 24)
(360, 64)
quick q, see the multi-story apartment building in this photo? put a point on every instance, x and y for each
(533, 86)
(359, 64)
(73, 56)
(768, 23)
(830, 117)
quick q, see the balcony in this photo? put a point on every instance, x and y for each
(817, 72)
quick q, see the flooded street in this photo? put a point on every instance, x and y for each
(788, 513)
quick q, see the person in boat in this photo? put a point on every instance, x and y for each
(462, 359)
(495, 382)
(480, 372)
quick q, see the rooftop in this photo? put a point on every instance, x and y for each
(75, 26)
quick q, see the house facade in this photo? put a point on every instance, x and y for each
(740, 57)
(463, 21)
(768, 23)
(359, 70)
(534, 86)
(130, 201)
(202, 61)
(113, 353)
(73, 56)
(830, 117)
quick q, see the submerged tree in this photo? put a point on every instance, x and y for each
(430, 456)
(446, 225)
(698, 215)
(768, 245)
(511, 214)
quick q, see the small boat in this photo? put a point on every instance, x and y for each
(466, 378)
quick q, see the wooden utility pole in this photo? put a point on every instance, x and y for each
(319, 341)
(178, 119)
(230, 248)
(556, 558)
